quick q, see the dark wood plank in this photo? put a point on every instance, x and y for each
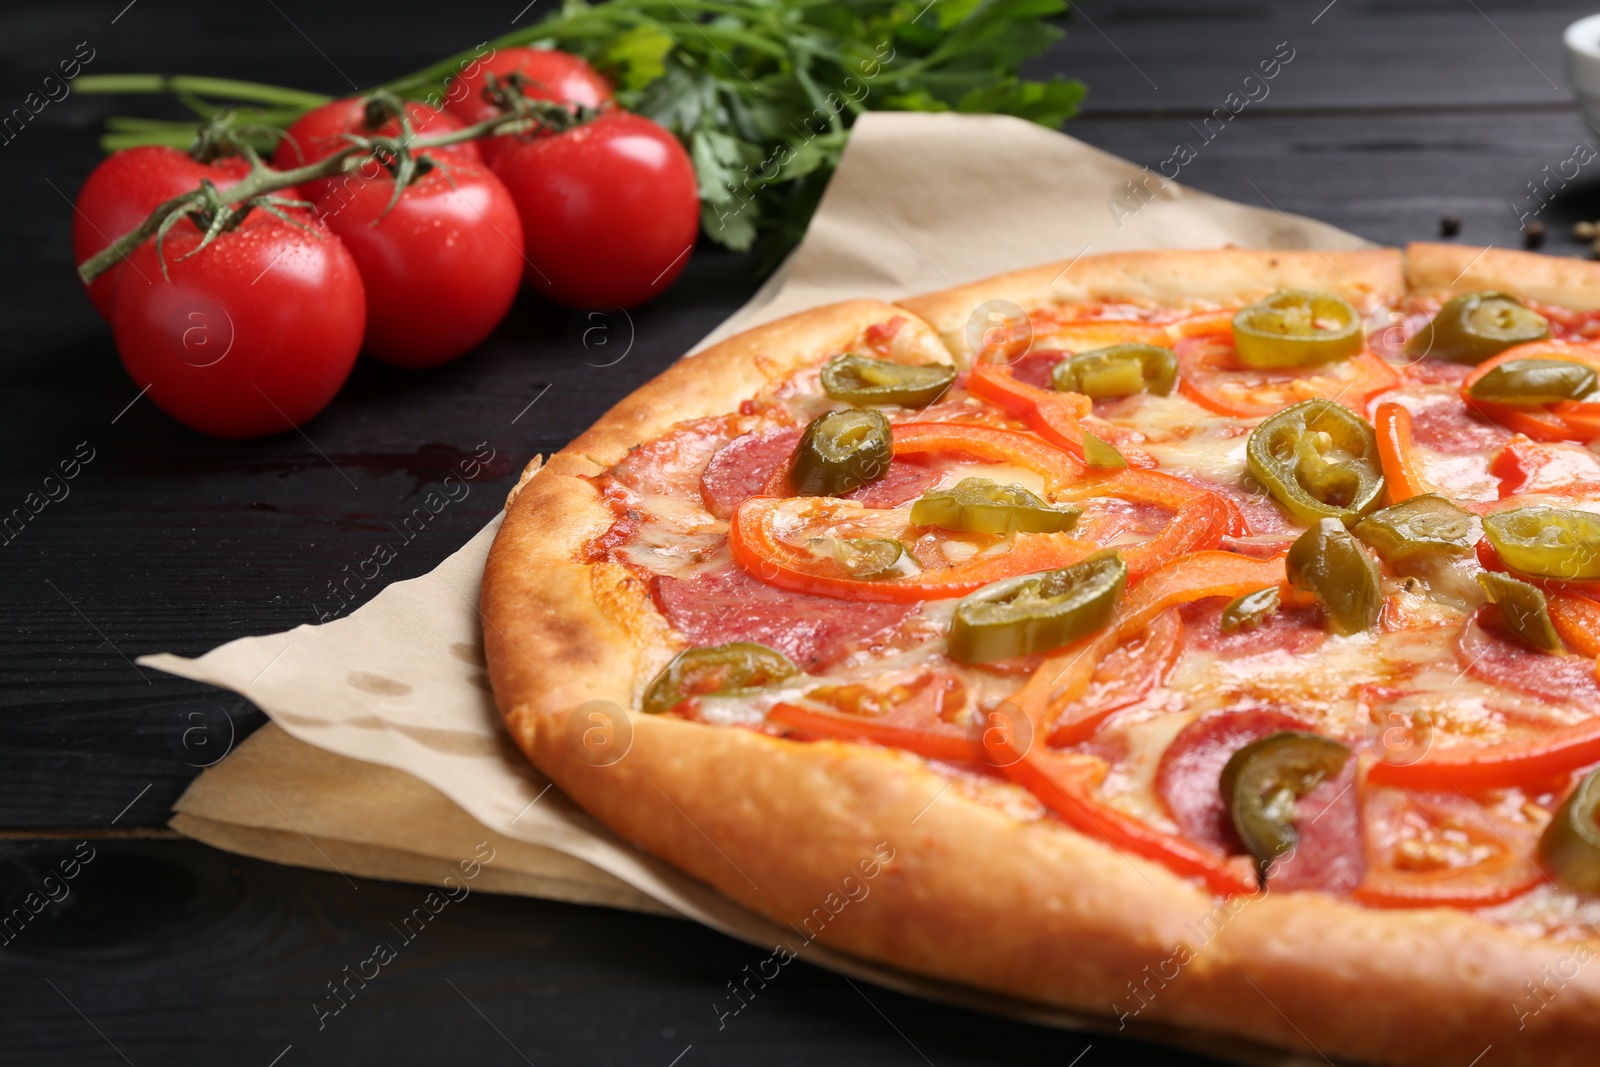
(173, 953)
(1140, 57)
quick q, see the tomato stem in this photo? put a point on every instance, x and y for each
(262, 180)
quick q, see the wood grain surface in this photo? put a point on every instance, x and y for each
(163, 951)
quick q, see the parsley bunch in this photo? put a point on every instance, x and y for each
(763, 92)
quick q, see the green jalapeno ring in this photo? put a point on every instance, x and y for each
(841, 451)
(1262, 781)
(1531, 382)
(1249, 611)
(868, 558)
(980, 505)
(1524, 610)
(858, 379)
(734, 669)
(1569, 848)
(1288, 454)
(1418, 529)
(1120, 370)
(1098, 453)
(1474, 326)
(1547, 542)
(1327, 562)
(1037, 612)
(1296, 328)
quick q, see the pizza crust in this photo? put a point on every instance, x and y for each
(1445, 270)
(974, 894)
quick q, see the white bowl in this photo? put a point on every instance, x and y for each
(1582, 39)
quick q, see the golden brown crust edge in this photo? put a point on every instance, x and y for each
(1449, 269)
(972, 895)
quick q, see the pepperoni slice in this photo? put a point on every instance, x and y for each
(1452, 428)
(740, 469)
(670, 463)
(1189, 776)
(1486, 653)
(902, 483)
(715, 607)
(1330, 855)
(1035, 368)
(1289, 629)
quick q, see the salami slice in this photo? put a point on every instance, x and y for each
(742, 467)
(1330, 855)
(715, 607)
(1451, 428)
(1191, 770)
(1289, 629)
(1487, 653)
(902, 483)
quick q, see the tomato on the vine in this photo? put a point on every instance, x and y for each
(122, 192)
(252, 334)
(322, 131)
(610, 209)
(440, 268)
(550, 75)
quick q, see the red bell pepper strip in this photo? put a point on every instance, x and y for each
(1067, 785)
(1566, 420)
(1056, 466)
(915, 725)
(1123, 676)
(1055, 416)
(1577, 620)
(757, 547)
(1476, 768)
(1210, 375)
(1196, 577)
(1201, 518)
(1396, 451)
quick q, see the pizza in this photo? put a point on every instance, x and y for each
(1205, 638)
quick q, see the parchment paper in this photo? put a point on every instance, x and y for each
(919, 202)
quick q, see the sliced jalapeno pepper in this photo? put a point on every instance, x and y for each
(1250, 610)
(841, 451)
(1037, 612)
(1327, 561)
(1474, 326)
(983, 506)
(1570, 845)
(1523, 609)
(872, 557)
(1534, 381)
(1418, 530)
(1262, 781)
(864, 380)
(1318, 459)
(1547, 542)
(723, 670)
(1121, 370)
(1295, 328)
(1098, 453)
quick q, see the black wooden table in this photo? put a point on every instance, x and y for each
(163, 951)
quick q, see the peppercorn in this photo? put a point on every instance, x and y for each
(1533, 235)
(1449, 225)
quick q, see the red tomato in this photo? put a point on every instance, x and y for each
(251, 335)
(552, 75)
(440, 270)
(123, 190)
(320, 132)
(610, 210)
